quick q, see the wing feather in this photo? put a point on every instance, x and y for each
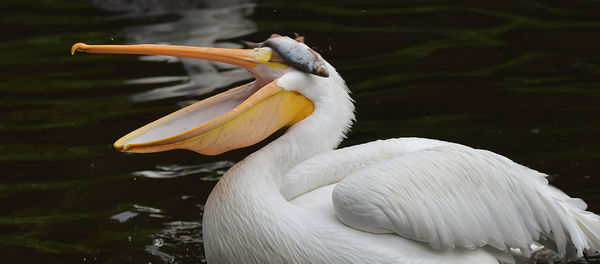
(450, 195)
(332, 167)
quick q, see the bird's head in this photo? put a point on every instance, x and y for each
(241, 116)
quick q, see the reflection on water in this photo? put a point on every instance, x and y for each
(210, 26)
(211, 171)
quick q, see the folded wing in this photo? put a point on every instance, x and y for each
(449, 195)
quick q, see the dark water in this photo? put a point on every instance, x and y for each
(521, 78)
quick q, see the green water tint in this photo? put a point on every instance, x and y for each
(519, 78)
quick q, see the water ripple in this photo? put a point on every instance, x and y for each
(210, 171)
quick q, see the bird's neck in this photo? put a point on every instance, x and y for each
(247, 203)
(320, 132)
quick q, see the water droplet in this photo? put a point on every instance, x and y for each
(159, 242)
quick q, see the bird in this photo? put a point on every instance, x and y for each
(301, 199)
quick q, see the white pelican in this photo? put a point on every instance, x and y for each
(297, 200)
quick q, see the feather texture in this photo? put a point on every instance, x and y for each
(450, 195)
(406, 200)
(332, 167)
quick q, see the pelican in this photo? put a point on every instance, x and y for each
(300, 200)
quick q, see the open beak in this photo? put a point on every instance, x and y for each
(237, 118)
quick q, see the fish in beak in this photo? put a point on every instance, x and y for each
(237, 118)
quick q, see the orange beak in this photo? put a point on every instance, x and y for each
(237, 118)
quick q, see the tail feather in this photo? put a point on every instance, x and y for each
(582, 228)
(589, 226)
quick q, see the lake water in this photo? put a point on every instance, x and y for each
(521, 78)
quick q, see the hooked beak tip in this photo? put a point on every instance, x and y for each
(77, 47)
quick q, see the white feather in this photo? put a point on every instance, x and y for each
(455, 196)
(406, 200)
(332, 167)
